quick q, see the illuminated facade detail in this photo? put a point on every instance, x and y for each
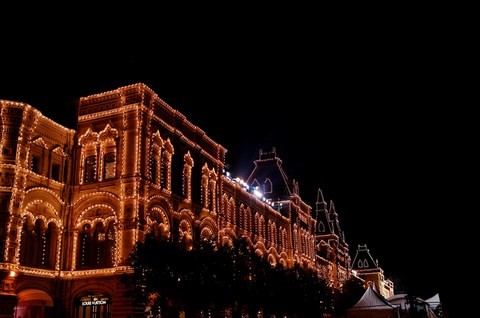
(154, 162)
(204, 187)
(73, 203)
(166, 166)
(187, 176)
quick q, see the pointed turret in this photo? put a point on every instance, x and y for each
(333, 216)
(320, 205)
(321, 215)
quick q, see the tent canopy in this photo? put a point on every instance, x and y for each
(433, 301)
(373, 305)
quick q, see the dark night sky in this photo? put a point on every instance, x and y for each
(366, 109)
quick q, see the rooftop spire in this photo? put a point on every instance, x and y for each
(320, 196)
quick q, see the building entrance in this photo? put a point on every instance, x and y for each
(93, 306)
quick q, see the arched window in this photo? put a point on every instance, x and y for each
(321, 227)
(267, 186)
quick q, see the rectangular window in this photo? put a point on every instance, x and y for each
(56, 172)
(153, 169)
(36, 164)
(90, 169)
(109, 166)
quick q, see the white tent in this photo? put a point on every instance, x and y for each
(422, 305)
(373, 305)
(433, 301)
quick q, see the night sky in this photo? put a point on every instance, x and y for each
(369, 111)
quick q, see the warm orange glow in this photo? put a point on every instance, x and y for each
(136, 166)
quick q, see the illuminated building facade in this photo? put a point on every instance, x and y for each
(73, 203)
(369, 270)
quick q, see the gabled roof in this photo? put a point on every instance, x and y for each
(363, 260)
(270, 177)
(433, 301)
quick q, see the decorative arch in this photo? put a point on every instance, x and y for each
(208, 227)
(32, 297)
(260, 249)
(273, 256)
(272, 260)
(206, 233)
(283, 259)
(39, 194)
(158, 222)
(108, 199)
(227, 239)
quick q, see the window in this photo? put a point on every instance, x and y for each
(7, 151)
(97, 246)
(163, 172)
(93, 306)
(109, 166)
(38, 244)
(36, 164)
(153, 169)
(90, 169)
(56, 172)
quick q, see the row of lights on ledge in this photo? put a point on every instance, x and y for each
(252, 190)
